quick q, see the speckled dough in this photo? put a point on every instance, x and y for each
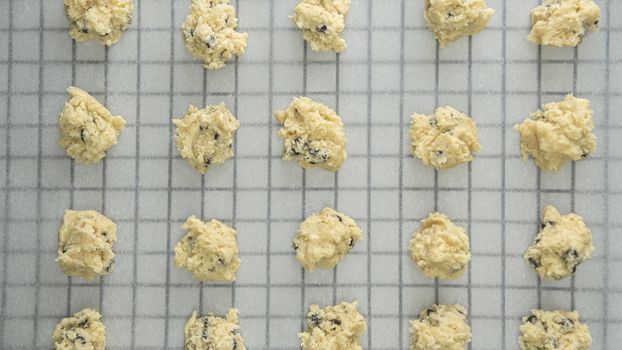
(208, 250)
(209, 33)
(336, 327)
(213, 333)
(554, 330)
(85, 241)
(450, 20)
(87, 128)
(562, 244)
(324, 238)
(440, 327)
(205, 136)
(99, 20)
(443, 139)
(82, 331)
(322, 22)
(559, 132)
(563, 22)
(440, 248)
(312, 134)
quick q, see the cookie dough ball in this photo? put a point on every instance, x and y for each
(213, 333)
(85, 241)
(98, 20)
(450, 20)
(324, 238)
(563, 22)
(322, 22)
(312, 134)
(209, 33)
(440, 327)
(562, 244)
(557, 133)
(443, 139)
(208, 250)
(87, 128)
(336, 327)
(554, 330)
(82, 331)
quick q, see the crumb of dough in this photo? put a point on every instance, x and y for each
(205, 136)
(98, 20)
(558, 133)
(213, 333)
(563, 22)
(554, 330)
(322, 22)
(450, 20)
(336, 327)
(440, 327)
(82, 331)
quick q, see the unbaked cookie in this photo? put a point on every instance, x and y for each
(209, 33)
(213, 333)
(99, 20)
(440, 248)
(562, 244)
(336, 327)
(208, 250)
(450, 20)
(205, 136)
(82, 331)
(440, 327)
(559, 132)
(322, 22)
(324, 238)
(554, 330)
(87, 128)
(443, 139)
(85, 241)
(312, 134)
(563, 22)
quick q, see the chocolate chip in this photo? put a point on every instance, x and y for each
(336, 322)
(235, 344)
(315, 320)
(351, 243)
(210, 41)
(566, 323)
(534, 263)
(294, 245)
(322, 29)
(596, 22)
(339, 218)
(110, 265)
(216, 136)
(433, 122)
(82, 135)
(81, 339)
(84, 30)
(532, 319)
(84, 323)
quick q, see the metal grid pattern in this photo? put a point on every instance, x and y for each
(391, 69)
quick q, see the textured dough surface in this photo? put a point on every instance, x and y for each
(208, 250)
(554, 330)
(312, 134)
(99, 20)
(82, 331)
(450, 20)
(557, 133)
(440, 327)
(209, 33)
(440, 248)
(87, 128)
(324, 238)
(213, 333)
(562, 244)
(205, 136)
(85, 241)
(443, 139)
(563, 22)
(322, 22)
(336, 327)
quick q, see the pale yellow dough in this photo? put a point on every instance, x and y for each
(440, 327)
(209, 33)
(450, 20)
(443, 139)
(82, 331)
(87, 128)
(85, 241)
(205, 136)
(558, 133)
(554, 330)
(312, 134)
(336, 327)
(99, 20)
(563, 22)
(324, 238)
(440, 248)
(322, 22)
(562, 244)
(213, 333)
(208, 250)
